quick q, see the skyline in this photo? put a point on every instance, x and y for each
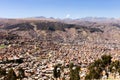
(59, 9)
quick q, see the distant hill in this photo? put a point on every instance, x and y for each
(66, 30)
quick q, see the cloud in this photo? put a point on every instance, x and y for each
(68, 15)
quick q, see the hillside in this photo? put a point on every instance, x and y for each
(56, 31)
(73, 30)
(43, 43)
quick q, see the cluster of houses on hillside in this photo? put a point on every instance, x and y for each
(39, 58)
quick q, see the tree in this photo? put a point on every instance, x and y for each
(94, 73)
(11, 75)
(116, 64)
(106, 59)
(96, 68)
(2, 72)
(74, 72)
(56, 71)
(71, 71)
(115, 67)
(21, 74)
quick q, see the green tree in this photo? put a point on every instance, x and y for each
(115, 67)
(94, 73)
(21, 74)
(74, 72)
(106, 59)
(96, 68)
(2, 72)
(11, 75)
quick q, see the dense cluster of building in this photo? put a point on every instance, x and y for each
(40, 57)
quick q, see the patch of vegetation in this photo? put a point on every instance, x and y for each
(92, 30)
(21, 26)
(11, 75)
(104, 64)
(74, 72)
(2, 46)
(50, 26)
(56, 71)
(10, 37)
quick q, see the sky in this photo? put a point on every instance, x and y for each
(59, 8)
